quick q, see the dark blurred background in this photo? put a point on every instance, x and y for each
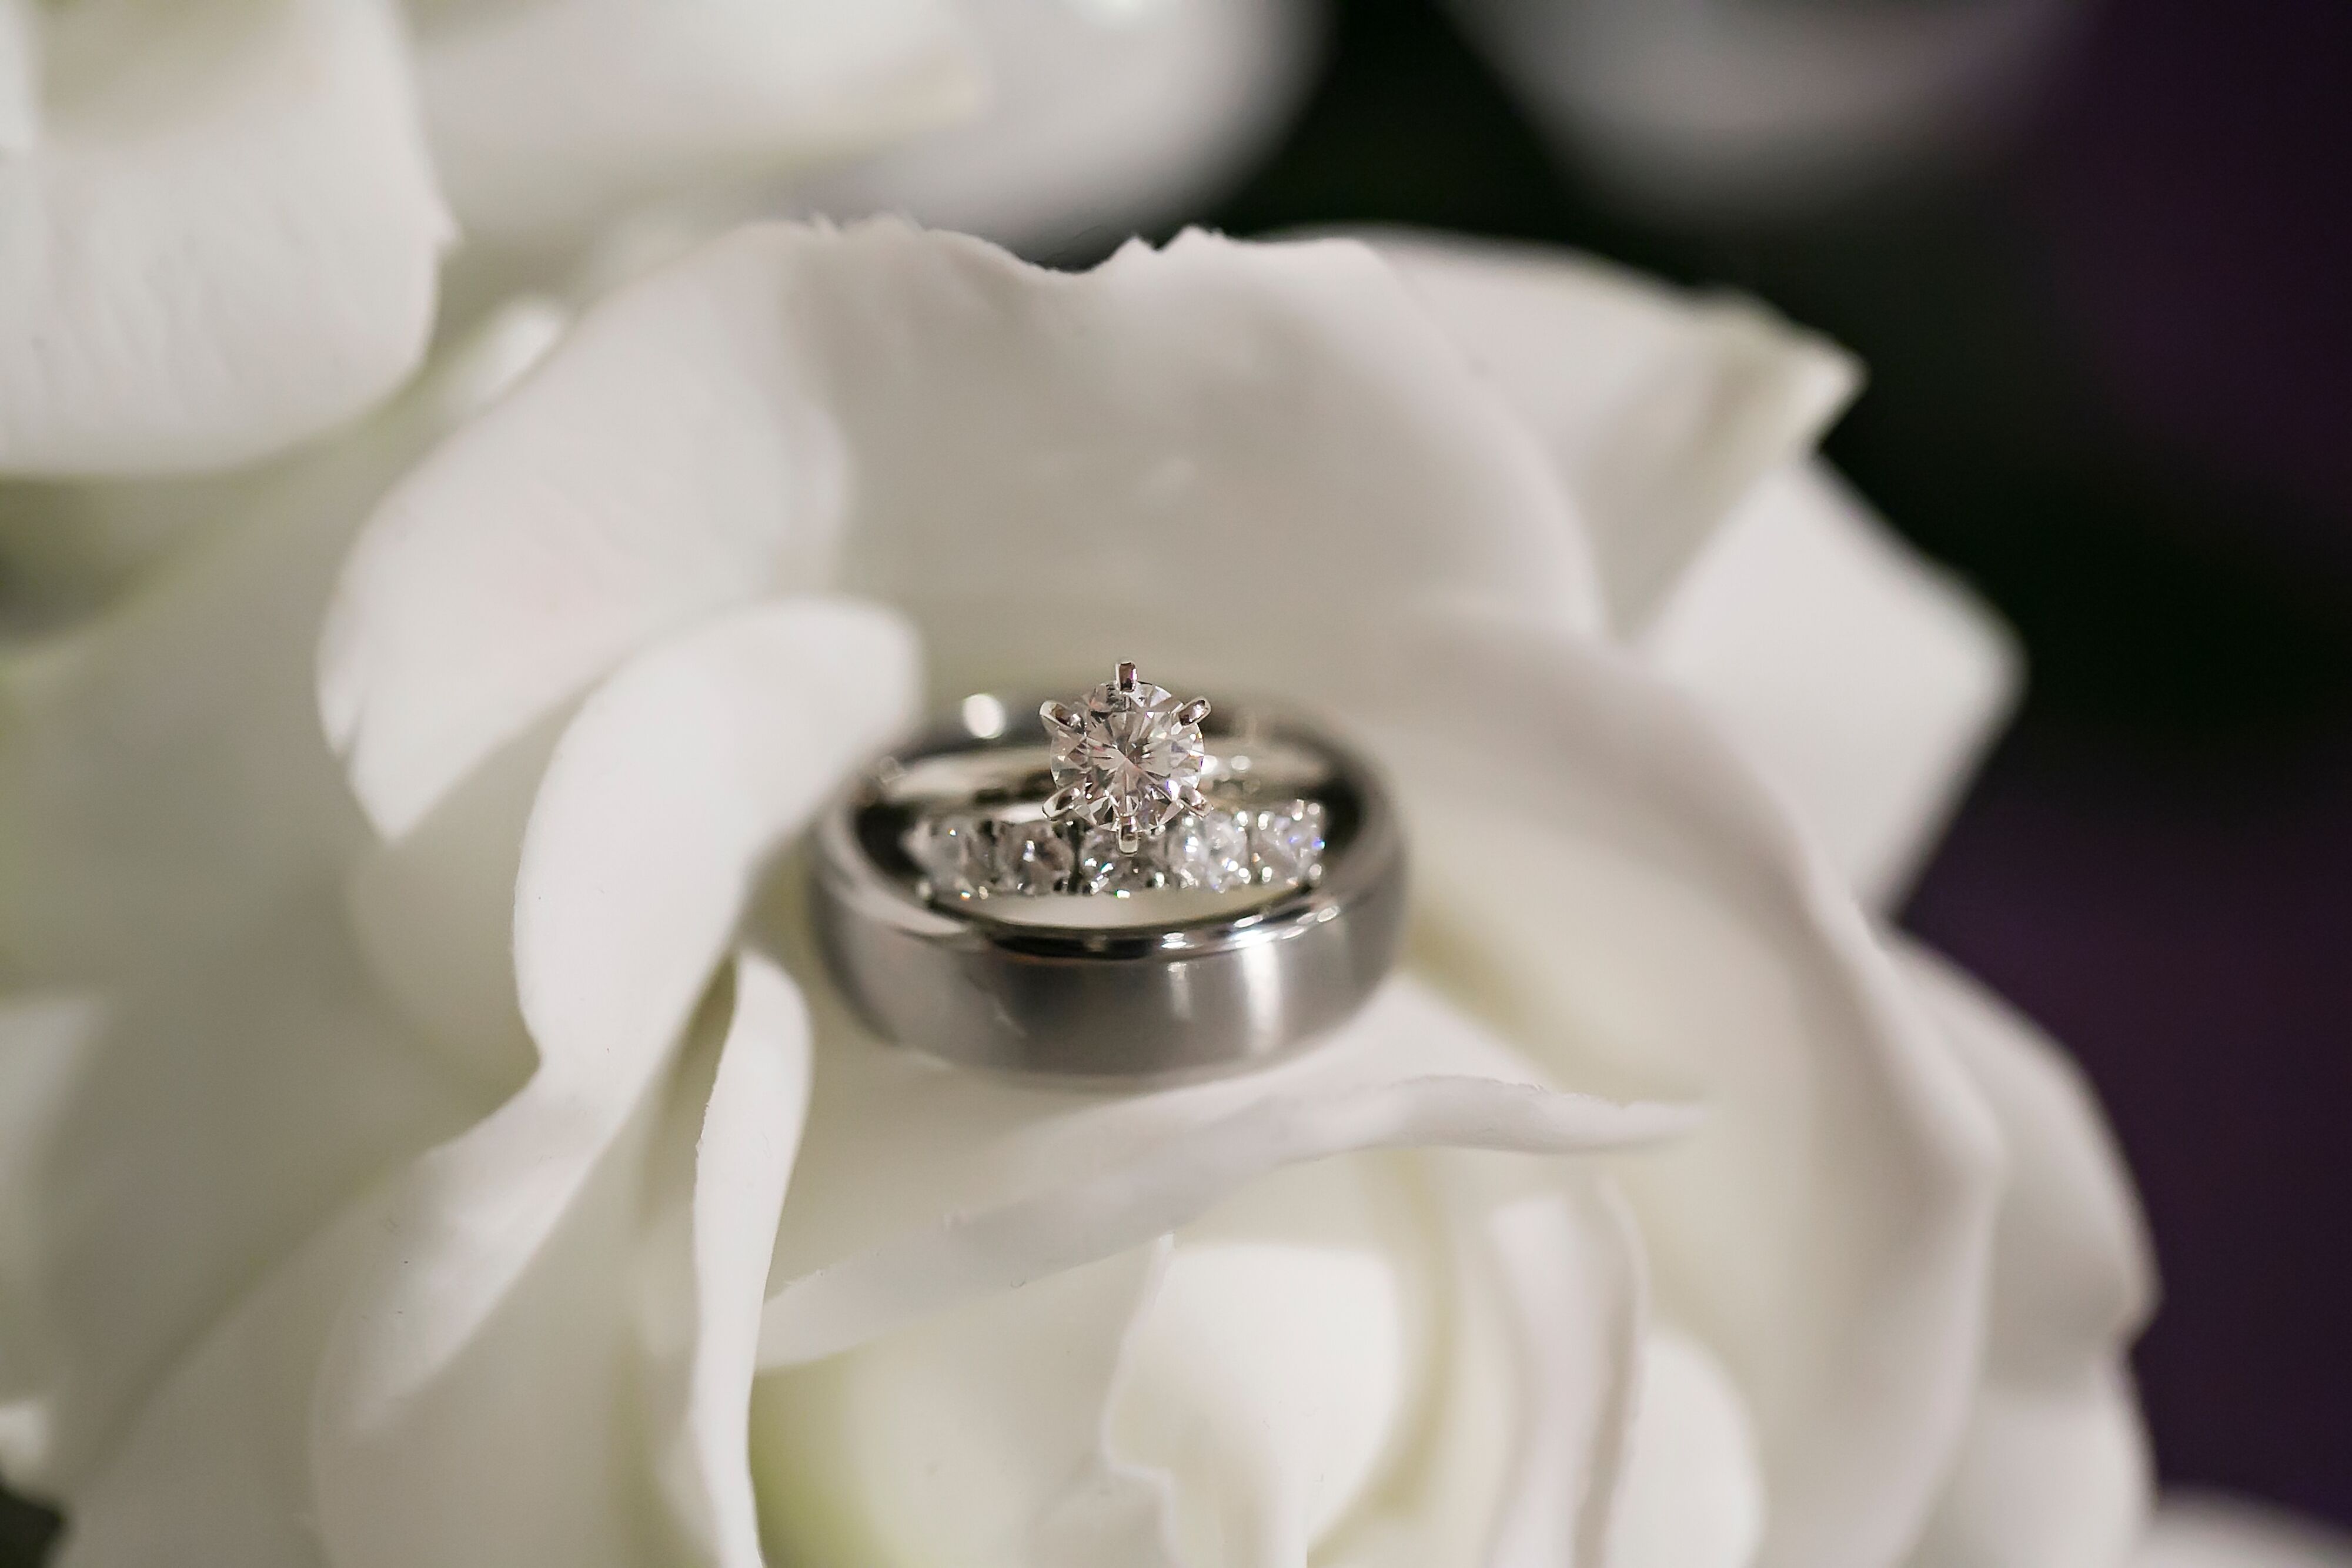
(2110, 345)
(2110, 350)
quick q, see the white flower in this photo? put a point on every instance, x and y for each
(1104, 117)
(1711, 108)
(222, 222)
(487, 1176)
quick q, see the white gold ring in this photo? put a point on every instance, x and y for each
(1129, 886)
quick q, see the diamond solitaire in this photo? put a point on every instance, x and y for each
(1127, 758)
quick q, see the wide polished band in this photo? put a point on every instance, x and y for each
(1170, 981)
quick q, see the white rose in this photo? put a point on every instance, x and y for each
(222, 222)
(483, 1175)
(1709, 109)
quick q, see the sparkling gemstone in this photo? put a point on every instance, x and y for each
(1032, 858)
(955, 853)
(1129, 755)
(1207, 849)
(1102, 868)
(1287, 844)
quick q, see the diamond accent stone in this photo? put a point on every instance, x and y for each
(956, 853)
(1129, 755)
(1208, 849)
(1286, 843)
(1032, 858)
(1104, 867)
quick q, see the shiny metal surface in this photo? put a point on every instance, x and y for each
(1162, 985)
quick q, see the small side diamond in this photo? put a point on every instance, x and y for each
(1032, 858)
(1287, 843)
(956, 855)
(1207, 849)
(1103, 868)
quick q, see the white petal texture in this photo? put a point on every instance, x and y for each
(1846, 1310)
(926, 1188)
(1103, 118)
(756, 418)
(662, 801)
(219, 1466)
(1660, 412)
(2054, 1468)
(1654, 1216)
(1859, 680)
(219, 229)
(1275, 1383)
(174, 834)
(549, 117)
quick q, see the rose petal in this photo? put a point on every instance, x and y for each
(666, 792)
(735, 1155)
(664, 797)
(754, 418)
(961, 1434)
(176, 825)
(1104, 117)
(161, 770)
(922, 1187)
(2215, 1531)
(1660, 409)
(218, 1465)
(434, 911)
(596, 1415)
(1571, 1281)
(1861, 680)
(1278, 1371)
(551, 116)
(976, 1437)
(1693, 1491)
(20, 77)
(1525, 1418)
(1599, 876)
(2055, 1465)
(44, 1038)
(219, 233)
(214, 1469)
(218, 1111)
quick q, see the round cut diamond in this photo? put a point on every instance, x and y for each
(1104, 867)
(1288, 843)
(1130, 754)
(955, 855)
(1208, 849)
(1032, 858)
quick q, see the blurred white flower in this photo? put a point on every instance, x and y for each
(1105, 117)
(1734, 108)
(222, 222)
(483, 1173)
(218, 228)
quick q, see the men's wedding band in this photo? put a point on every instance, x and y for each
(1126, 887)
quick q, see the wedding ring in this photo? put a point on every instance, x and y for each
(1127, 886)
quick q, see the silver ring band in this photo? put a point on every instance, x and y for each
(1163, 982)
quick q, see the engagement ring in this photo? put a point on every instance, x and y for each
(1129, 885)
